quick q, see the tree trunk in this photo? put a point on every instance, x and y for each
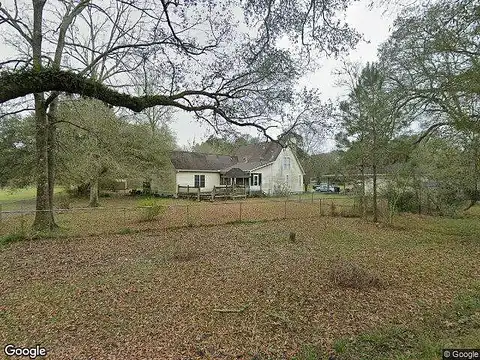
(44, 216)
(93, 192)
(51, 151)
(375, 206)
(363, 202)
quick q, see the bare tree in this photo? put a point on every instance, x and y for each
(224, 69)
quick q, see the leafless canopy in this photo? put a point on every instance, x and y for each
(221, 60)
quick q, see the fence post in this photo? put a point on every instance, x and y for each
(188, 216)
(312, 196)
(320, 208)
(240, 217)
(285, 210)
(124, 217)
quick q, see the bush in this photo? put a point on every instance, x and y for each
(281, 190)
(448, 200)
(405, 202)
(350, 275)
(445, 200)
(151, 209)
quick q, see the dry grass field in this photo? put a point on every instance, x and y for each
(248, 291)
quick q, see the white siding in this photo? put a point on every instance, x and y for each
(185, 178)
(266, 172)
(276, 175)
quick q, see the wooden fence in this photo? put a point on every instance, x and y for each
(218, 192)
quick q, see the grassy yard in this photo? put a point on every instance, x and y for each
(249, 291)
(10, 195)
(20, 199)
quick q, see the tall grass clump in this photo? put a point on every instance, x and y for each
(151, 209)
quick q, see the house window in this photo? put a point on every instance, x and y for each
(256, 179)
(200, 181)
(286, 163)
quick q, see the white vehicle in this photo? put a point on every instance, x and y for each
(324, 188)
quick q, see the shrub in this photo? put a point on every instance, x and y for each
(402, 201)
(281, 189)
(350, 275)
(448, 200)
(151, 209)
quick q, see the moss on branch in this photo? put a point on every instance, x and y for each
(18, 84)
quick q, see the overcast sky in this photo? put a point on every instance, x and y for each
(372, 23)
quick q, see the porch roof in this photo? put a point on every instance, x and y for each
(236, 173)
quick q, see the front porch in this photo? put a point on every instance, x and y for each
(235, 177)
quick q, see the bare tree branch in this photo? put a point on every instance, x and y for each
(15, 112)
(20, 84)
(16, 23)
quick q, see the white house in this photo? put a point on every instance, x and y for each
(267, 167)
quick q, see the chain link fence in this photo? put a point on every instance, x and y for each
(107, 220)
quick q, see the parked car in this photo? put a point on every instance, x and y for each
(326, 188)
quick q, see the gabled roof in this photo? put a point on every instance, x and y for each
(184, 160)
(262, 153)
(246, 158)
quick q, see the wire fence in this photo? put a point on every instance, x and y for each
(167, 215)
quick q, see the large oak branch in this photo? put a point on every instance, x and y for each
(18, 84)
(21, 83)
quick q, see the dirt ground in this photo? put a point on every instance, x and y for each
(238, 291)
